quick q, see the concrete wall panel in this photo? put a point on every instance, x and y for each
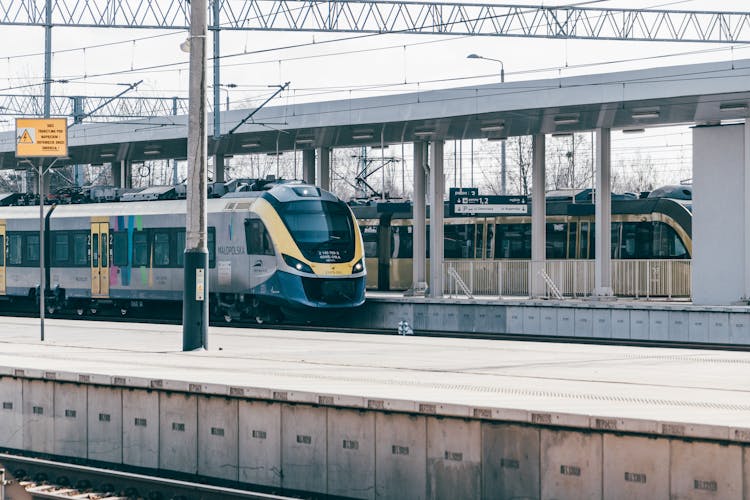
(140, 428)
(420, 316)
(565, 322)
(454, 454)
(515, 319)
(351, 453)
(11, 413)
(634, 467)
(218, 454)
(443, 317)
(620, 324)
(260, 443)
(739, 328)
(602, 323)
(584, 323)
(548, 321)
(658, 325)
(467, 319)
(510, 461)
(571, 465)
(705, 470)
(532, 323)
(303, 448)
(639, 324)
(400, 456)
(679, 325)
(490, 319)
(105, 424)
(178, 432)
(698, 326)
(718, 327)
(38, 416)
(70, 425)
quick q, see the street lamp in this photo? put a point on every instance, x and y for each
(503, 174)
(502, 67)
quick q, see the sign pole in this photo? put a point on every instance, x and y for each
(41, 138)
(42, 283)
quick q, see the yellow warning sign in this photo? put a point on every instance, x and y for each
(37, 137)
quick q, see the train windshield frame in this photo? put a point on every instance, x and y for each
(323, 230)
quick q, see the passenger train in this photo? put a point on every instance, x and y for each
(655, 227)
(280, 250)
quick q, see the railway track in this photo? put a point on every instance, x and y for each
(35, 478)
(418, 333)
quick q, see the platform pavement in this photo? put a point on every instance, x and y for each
(643, 388)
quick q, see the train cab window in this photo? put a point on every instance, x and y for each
(60, 248)
(120, 248)
(140, 248)
(80, 249)
(161, 249)
(31, 258)
(666, 243)
(15, 249)
(257, 239)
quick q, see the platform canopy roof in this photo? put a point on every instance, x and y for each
(699, 93)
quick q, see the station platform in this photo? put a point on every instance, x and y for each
(377, 416)
(611, 318)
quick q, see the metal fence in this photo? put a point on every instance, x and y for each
(572, 278)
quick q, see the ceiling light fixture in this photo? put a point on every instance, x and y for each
(254, 144)
(492, 127)
(424, 132)
(733, 106)
(358, 136)
(566, 119)
(645, 114)
(151, 152)
(633, 130)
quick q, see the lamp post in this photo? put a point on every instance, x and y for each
(503, 174)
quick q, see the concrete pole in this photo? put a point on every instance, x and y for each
(323, 168)
(216, 25)
(308, 166)
(746, 170)
(195, 294)
(117, 173)
(419, 248)
(538, 215)
(437, 189)
(603, 217)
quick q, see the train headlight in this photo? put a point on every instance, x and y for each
(297, 264)
(358, 267)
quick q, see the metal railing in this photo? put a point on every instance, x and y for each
(668, 278)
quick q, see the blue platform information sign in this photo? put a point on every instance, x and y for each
(468, 202)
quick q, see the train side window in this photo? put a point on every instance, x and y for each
(80, 249)
(140, 248)
(120, 248)
(2, 250)
(402, 242)
(584, 246)
(161, 249)
(32, 250)
(615, 240)
(105, 249)
(180, 248)
(15, 249)
(572, 230)
(257, 239)
(513, 241)
(557, 233)
(60, 248)
(459, 242)
(211, 247)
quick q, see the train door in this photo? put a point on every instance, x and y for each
(2, 259)
(99, 247)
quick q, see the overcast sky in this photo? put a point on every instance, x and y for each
(354, 66)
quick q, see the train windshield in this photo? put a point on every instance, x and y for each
(323, 230)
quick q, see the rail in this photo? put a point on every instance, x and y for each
(668, 278)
